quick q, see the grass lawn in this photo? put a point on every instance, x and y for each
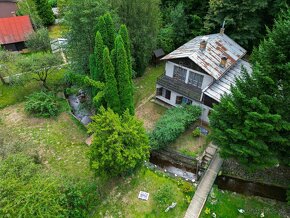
(122, 201)
(189, 145)
(149, 113)
(146, 85)
(56, 31)
(226, 205)
(13, 94)
(58, 143)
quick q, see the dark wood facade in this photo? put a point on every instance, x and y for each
(8, 8)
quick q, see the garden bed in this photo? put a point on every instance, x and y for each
(189, 145)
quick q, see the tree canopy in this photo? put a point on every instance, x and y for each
(252, 124)
(120, 143)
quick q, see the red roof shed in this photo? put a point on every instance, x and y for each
(14, 29)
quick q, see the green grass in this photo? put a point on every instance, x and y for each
(226, 205)
(56, 31)
(189, 145)
(146, 85)
(122, 199)
(12, 94)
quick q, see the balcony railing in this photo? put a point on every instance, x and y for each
(182, 88)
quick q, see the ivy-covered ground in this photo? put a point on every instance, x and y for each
(227, 205)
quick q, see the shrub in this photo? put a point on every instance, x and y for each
(186, 188)
(42, 104)
(196, 132)
(164, 196)
(38, 41)
(174, 122)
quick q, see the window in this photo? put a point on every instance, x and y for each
(179, 73)
(183, 100)
(159, 91)
(178, 100)
(195, 79)
(186, 101)
(167, 94)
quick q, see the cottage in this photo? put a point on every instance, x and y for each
(8, 8)
(14, 31)
(201, 71)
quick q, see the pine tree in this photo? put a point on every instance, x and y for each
(111, 90)
(111, 32)
(123, 77)
(45, 12)
(252, 124)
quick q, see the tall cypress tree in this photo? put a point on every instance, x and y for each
(98, 53)
(93, 73)
(111, 90)
(111, 32)
(44, 11)
(123, 77)
(125, 36)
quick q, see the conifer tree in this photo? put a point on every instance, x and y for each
(111, 90)
(98, 53)
(44, 11)
(125, 36)
(123, 77)
(111, 32)
(252, 124)
(93, 72)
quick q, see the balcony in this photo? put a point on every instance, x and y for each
(180, 87)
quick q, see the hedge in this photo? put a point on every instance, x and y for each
(172, 124)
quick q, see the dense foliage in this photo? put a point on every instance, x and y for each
(252, 125)
(44, 11)
(120, 143)
(42, 104)
(27, 7)
(142, 18)
(174, 122)
(81, 18)
(26, 192)
(38, 41)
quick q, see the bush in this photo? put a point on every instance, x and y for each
(42, 104)
(164, 196)
(38, 41)
(174, 122)
(196, 132)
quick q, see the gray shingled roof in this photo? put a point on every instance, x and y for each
(218, 45)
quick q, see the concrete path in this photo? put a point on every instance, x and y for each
(204, 187)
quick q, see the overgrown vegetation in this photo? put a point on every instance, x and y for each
(41, 104)
(174, 122)
(38, 41)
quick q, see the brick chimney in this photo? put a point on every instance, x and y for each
(202, 45)
(223, 62)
